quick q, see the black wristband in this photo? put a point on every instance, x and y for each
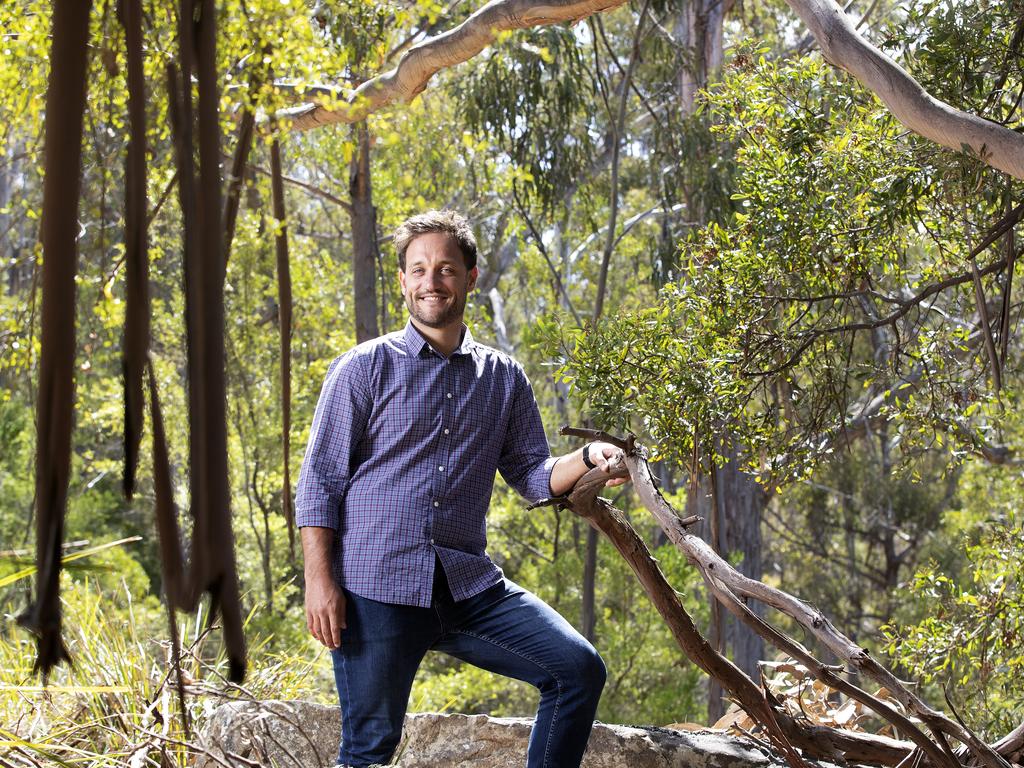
(586, 457)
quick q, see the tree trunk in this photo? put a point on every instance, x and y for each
(742, 503)
(364, 238)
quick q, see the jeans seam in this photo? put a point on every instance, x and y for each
(345, 725)
(558, 682)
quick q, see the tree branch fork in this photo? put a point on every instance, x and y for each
(928, 733)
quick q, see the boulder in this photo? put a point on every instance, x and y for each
(298, 734)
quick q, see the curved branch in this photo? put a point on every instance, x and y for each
(715, 569)
(918, 110)
(447, 49)
(839, 40)
(784, 731)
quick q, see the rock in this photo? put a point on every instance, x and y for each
(298, 734)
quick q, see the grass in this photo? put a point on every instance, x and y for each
(118, 705)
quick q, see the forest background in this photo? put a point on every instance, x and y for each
(692, 227)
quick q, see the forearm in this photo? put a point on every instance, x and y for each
(567, 470)
(317, 549)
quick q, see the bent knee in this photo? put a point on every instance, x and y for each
(588, 669)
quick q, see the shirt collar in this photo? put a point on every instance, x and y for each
(416, 342)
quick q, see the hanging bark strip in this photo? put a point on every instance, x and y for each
(216, 548)
(171, 558)
(65, 107)
(212, 567)
(136, 326)
(238, 162)
(284, 316)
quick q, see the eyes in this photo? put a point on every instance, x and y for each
(445, 270)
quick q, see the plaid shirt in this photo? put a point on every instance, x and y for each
(401, 461)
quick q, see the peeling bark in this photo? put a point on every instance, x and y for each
(65, 107)
(364, 238)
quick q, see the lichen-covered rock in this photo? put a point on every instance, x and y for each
(298, 734)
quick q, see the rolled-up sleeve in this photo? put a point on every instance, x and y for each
(526, 461)
(338, 425)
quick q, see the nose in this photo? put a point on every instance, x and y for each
(434, 278)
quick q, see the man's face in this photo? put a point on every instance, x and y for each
(435, 282)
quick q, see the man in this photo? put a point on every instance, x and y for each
(408, 433)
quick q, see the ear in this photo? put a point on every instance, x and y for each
(401, 280)
(474, 273)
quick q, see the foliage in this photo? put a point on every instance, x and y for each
(791, 206)
(960, 631)
(774, 326)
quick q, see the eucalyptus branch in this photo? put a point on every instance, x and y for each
(733, 589)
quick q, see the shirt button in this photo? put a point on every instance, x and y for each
(449, 395)
(431, 541)
(440, 469)
(437, 503)
(447, 431)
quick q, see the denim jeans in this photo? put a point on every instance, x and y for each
(504, 629)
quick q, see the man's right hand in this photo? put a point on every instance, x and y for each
(325, 610)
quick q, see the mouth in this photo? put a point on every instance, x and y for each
(432, 298)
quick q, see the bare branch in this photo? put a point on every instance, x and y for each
(921, 112)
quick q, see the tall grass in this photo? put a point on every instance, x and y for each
(118, 704)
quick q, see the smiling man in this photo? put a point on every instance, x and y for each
(392, 501)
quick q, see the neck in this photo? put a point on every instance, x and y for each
(443, 340)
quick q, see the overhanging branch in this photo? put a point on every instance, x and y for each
(424, 60)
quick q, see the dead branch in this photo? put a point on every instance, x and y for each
(732, 589)
(783, 730)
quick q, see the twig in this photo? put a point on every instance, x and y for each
(595, 434)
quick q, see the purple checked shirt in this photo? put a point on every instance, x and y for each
(401, 461)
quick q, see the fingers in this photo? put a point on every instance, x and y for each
(313, 622)
(325, 616)
(337, 620)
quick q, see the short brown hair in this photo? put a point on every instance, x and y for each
(446, 221)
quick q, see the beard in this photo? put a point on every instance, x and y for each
(446, 312)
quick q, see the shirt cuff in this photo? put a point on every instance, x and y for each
(321, 516)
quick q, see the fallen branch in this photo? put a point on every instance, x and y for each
(784, 731)
(732, 589)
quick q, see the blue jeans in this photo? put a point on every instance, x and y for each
(504, 629)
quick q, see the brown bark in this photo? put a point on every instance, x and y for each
(284, 316)
(65, 107)
(238, 165)
(136, 326)
(212, 567)
(209, 425)
(364, 238)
